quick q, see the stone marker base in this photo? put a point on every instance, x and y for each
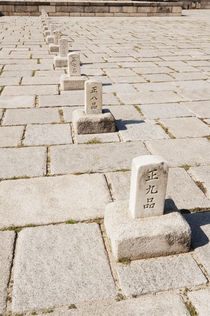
(93, 123)
(47, 33)
(53, 48)
(60, 61)
(72, 83)
(145, 238)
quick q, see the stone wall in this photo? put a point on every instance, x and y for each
(93, 8)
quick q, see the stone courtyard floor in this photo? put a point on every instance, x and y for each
(54, 184)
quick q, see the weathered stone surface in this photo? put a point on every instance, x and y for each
(52, 199)
(30, 90)
(200, 299)
(202, 174)
(93, 97)
(179, 152)
(10, 136)
(161, 274)
(72, 83)
(22, 162)
(145, 238)
(168, 110)
(200, 108)
(184, 192)
(89, 158)
(97, 138)
(186, 127)
(28, 116)
(166, 304)
(17, 101)
(181, 189)
(149, 176)
(140, 131)
(6, 254)
(47, 134)
(93, 123)
(60, 265)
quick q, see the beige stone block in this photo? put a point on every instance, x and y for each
(129, 9)
(47, 8)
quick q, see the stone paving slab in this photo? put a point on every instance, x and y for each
(60, 265)
(22, 162)
(31, 116)
(167, 110)
(94, 158)
(180, 152)
(153, 275)
(10, 136)
(199, 108)
(132, 131)
(202, 174)
(200, 299)
(52, 199)
(70, 99)
(6, 254)
(47, 134)
(154, 305)
(30, 90)
(186, 127)
(17, 102)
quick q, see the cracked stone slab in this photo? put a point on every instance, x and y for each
(60, 265)
(48, 134)
(166, 304)
(22, 162)
(202, 174)
(17, 101)
(52, 199)
(29, 116)
(179, 152)
(94, 158)
(6, 254)
(200, 299)
(10, 136)
(162, 274)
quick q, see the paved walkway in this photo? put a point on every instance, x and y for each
(54, 186)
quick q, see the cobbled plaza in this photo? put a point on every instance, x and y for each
(55, 255)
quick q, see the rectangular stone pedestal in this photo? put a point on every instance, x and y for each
(53, 48)
(145, 238)
(93, 123)
(72, 83)
(60, 61)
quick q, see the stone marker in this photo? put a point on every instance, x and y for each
(92, 120)
(93, 97)
(74, 64)
(137, 228)
(54, 47)
(148, 186)
(73, 80)
(50, 38)
(61, 60)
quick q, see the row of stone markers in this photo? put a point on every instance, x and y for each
(93, 120)
(137, 228)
